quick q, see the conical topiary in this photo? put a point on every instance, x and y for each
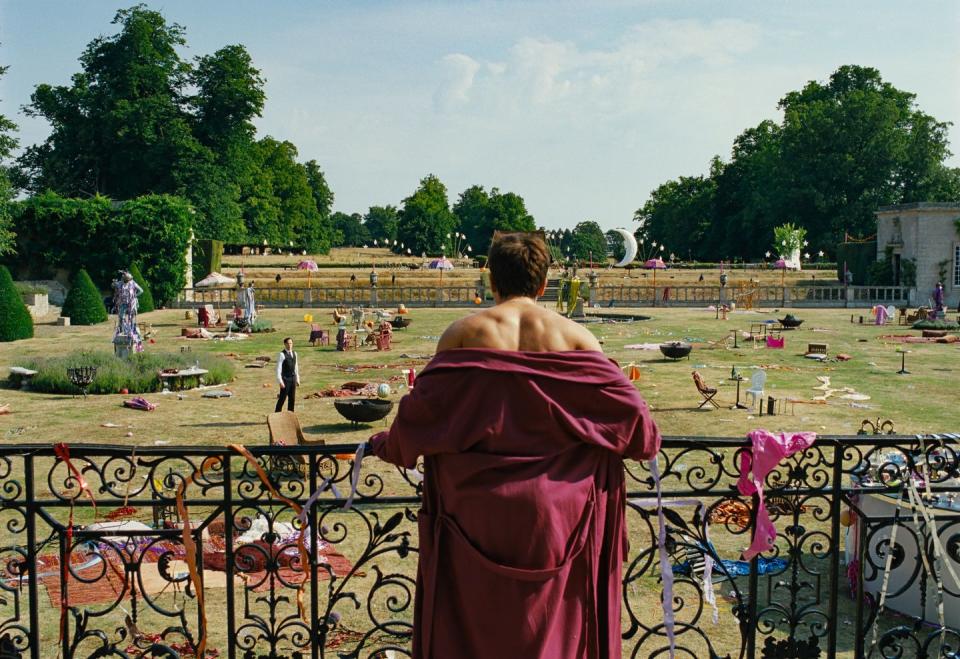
(84, 305)
(15, 320)
(145, 301)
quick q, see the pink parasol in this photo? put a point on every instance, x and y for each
(441, 264)
(781, 264)
(309, 266)
(655, 264)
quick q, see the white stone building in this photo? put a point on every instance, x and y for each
(929, 234)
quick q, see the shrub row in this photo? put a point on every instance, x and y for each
(138, 374)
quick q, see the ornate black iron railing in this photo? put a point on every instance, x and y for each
(119, 584)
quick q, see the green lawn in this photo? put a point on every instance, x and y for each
(920, 402)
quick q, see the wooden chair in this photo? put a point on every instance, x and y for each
(707, 392)
(319, 335)
(285, 430)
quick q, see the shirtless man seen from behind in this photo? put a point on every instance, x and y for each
(517, 322)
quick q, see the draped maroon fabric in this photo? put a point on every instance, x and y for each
(522, 529)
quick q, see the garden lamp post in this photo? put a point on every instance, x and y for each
(374, 278)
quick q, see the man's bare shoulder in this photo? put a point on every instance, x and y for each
(459, 333)
(576, 335)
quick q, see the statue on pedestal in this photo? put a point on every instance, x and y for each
(126, 335)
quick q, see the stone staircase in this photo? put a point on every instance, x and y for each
(550, 293)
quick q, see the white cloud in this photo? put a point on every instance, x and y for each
(460, 71)
(562, 78)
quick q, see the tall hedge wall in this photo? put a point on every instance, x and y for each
(104, 236)
(858, 257)
(207, 256)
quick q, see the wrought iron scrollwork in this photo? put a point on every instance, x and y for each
(338, 581)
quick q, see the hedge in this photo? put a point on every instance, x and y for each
(15, 320)
(154, 230)
(84, 304)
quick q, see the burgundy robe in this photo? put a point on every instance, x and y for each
(522, 529)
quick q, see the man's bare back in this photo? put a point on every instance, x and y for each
(518, 324)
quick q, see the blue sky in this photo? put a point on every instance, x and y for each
(582, 108)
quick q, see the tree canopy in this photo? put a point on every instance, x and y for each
(588, 243)
(7, 144)
(843, 148)
(426, 219)
(480, 214)
(138, 119)
(382, 222)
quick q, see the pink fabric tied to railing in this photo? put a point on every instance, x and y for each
(765, 454)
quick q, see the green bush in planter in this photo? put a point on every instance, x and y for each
(84, 305)
(145, 302)
(15, 320)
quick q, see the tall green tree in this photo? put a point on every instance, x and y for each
(322, 194)
(679, 214)
(381, 223)
(323, 200)
(229, 95)
(588, 242)
(850, 145)
(481, 214)
(843, 148)
(301, 223)
(7, 144)
(472, 210)
(350, 231)
(507, 212)
(120, 128)
(426, 219)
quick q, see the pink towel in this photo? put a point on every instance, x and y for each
(763, 457)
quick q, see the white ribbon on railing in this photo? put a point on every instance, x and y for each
(666, 571)
(939, 554)
(888, 564)
(328, 484)
(709, 590)
(355, 476)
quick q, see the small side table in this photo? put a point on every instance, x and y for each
(738, 405)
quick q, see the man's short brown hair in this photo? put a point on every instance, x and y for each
(518, 264)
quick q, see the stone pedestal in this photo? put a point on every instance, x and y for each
(123, 346)
(578, 309)
(63, 321)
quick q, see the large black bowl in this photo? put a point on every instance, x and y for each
(363, 410)
(791, 323)
(399, 322)
(676, 349)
